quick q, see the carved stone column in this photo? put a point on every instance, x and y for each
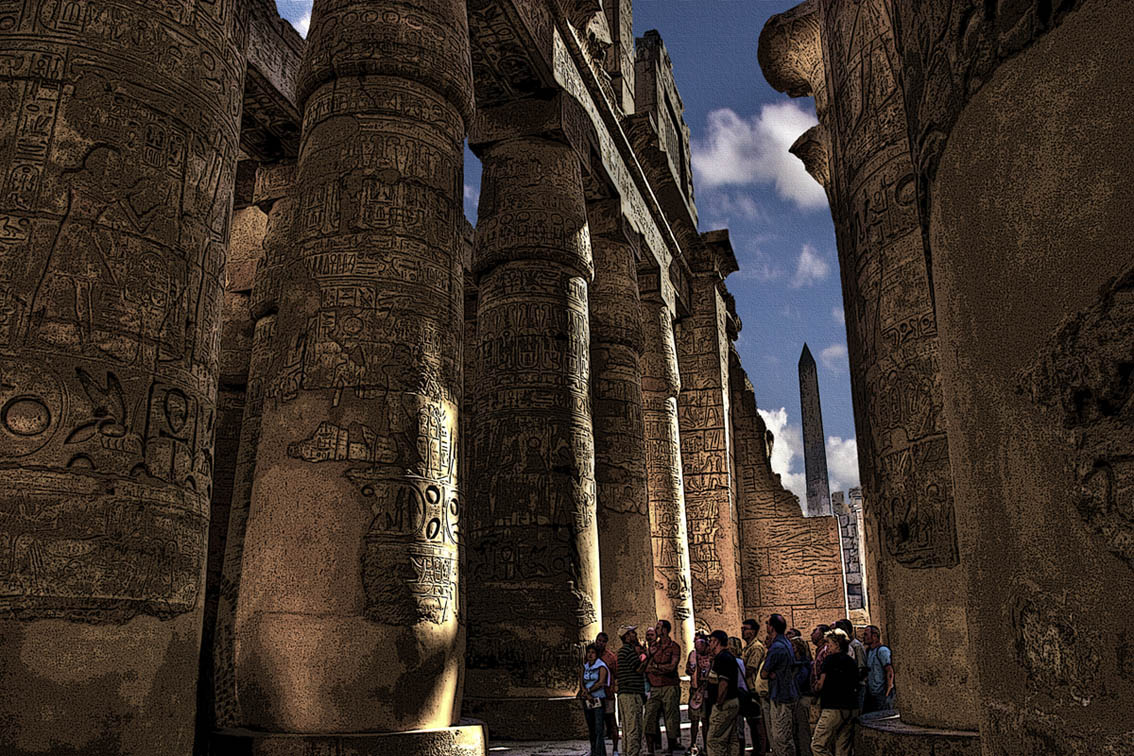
(620, 434)
(352, 545)
(118, 148)
(706, 441)
(661, 385)
(1023, 137)
(862, 150)
(272, 197)
(534, 593)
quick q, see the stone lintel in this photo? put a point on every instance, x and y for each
(643, 130)
(814, 150)
(790, 50)
(270, 120)
(714, 255)
(559, 117)
(465, 740)
(245, 182)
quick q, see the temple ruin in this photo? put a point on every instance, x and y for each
(297, 461)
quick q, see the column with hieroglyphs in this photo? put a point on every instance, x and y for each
(620, 435)
(661, 385)
(352, 545)
(533, 559)
(845, 55)
(119, 132)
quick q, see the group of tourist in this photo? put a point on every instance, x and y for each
(771, 685)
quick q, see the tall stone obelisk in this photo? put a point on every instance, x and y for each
(814, 452)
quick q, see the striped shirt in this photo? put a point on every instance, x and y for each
(631, 678)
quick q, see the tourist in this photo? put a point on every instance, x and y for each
(652, 728)
(698, 670)
(801, 714)
(793, 634)
(822, 648)
(592, 689)
(879, 673)
(723, 700)
(611, 662)
(838, 697)
(858, 651)
(630, 684)
(743, 693)
(665, 688)
(753, 656)
(782, 692)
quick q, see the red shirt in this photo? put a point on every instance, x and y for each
(661, 669)
(611, 662)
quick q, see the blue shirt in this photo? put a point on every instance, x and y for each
(781, 661)
(876, 661)
(591, 675)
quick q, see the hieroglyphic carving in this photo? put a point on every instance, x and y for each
(1084, 380)
(705, 425)
(533, 546)
(661, 385)
(361, 391)
(620, 434)
(119, 133)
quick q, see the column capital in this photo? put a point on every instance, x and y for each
(813, 148)
(714, 256)
(273, 182)
(559, 118)
(790, 51)
(607, 221)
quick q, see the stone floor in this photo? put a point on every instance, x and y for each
(562, 748)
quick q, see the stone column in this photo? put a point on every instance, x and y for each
(273, 198)
(704, 420)
(118, 150)
(661, 384)
(534, 597)
(1025, 200)
(847, 51)
(347, 619)
(620, 435)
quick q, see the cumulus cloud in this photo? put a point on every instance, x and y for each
(834, 357)
(738, 151)
(787, 451)
(303, 24)
(722, 208)
(810, 268)
(842, 463)
(839, 315)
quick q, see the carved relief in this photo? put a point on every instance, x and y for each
(115, 195)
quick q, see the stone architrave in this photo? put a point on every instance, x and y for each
(790, 564)
(845, 54)
(703, 413)
(347, 619)
(1028, 229)
(661, 385)
(623, 517)
(533, 560)
(118, 151)
(814, 445)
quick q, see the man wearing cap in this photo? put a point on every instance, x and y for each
(630, 686)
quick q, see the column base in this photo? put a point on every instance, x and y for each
(466, 740)
(883, 733)
(529, 718)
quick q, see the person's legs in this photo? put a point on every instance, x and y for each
(630, 712)
(825, 730)
(611, 722)
(671, 706)
(695, 723)
(783, 738)
(802, 716)
(590, 717)
(722, 729)
(844, 739)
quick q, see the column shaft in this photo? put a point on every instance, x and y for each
(352, 545)
(118, 145)
(661, 384)
(706, 458)
(534, 596)
(625, 547)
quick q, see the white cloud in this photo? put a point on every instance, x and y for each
(722, 208)
(787, 448)
(834, 357)
(741, 151)
(842, 463)
(303, 24)
(471, 193)
(839, 315)
(810, 268)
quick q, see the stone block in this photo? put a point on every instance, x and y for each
(883, 733)
(787, 589)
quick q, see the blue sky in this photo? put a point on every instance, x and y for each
(787, 291)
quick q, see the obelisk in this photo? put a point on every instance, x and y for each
(814, 452)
